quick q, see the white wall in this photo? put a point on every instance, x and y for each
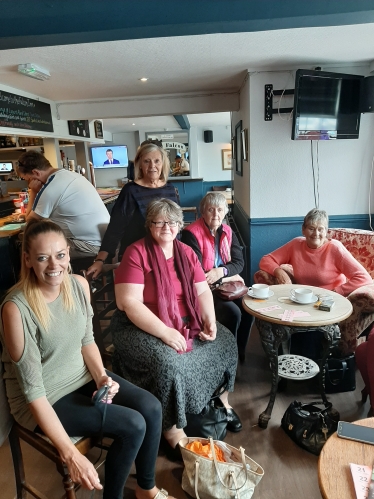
(281, 180)
(242, 183)
(112, 177)
(209, 155)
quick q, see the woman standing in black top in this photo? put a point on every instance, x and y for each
(127, 220)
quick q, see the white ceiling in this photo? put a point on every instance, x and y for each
(199, 63)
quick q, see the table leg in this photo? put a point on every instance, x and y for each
(331, 339)
(271, 336)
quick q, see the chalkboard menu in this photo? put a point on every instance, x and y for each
(21, 112)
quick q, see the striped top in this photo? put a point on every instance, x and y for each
(52, 364)
(128, 215)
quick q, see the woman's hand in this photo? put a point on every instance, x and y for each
(95, 269)
(209, 333)
(82, 471)
(174, 339)
(235, 278)
(282, 276)
(213, 275)
(113, 386)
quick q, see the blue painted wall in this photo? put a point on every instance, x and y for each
(266, 234)
(40, 23)
(192, 191)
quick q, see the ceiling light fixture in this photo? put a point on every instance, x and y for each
(133, 124)
(34, 71)
(143, 79)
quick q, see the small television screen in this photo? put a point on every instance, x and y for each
(6, 167)
(326, 105)
(110, 157)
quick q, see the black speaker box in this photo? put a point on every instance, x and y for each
(208, 136)
(367, 96)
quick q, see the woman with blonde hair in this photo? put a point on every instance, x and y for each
(151, 171)
(53, 367)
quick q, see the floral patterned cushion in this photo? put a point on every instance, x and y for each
(360, 243)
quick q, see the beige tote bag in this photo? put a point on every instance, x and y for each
(205, 478)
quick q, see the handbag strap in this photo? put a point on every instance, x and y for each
(197, 467)
(343, 370)
(235, 488)
(222, 387)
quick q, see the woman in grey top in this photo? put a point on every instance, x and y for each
(53, 366)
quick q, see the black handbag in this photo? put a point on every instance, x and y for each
(340, 374)
(212, 420)
(309, 426)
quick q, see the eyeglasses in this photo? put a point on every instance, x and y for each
(160, 225)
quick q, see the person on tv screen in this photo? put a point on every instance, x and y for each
(4, 167)
(110, 160)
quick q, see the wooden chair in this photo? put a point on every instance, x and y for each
(39, 443)
(103, 304)
(17, 433)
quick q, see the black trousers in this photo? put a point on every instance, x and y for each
(133, 421)
(232, 315)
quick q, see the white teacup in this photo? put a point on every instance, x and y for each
(260, 290)
(302, 295)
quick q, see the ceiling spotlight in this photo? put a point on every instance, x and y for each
(143, 79)
(133, 124)
(34, 71)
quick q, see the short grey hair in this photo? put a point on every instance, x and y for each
(166, 208)
(316, 215)
(213, 199)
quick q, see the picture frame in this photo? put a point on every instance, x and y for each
(232, 147)
(79, 128)
(226, 159)
(245, 144)
(99, 134)
(238, 149)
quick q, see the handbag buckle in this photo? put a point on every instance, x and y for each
(290, 426)
(305, 433)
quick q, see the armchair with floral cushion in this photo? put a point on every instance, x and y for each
(360, 243)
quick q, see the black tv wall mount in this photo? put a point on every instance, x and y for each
(269, 111)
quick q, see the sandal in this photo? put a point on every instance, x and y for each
(162, 494)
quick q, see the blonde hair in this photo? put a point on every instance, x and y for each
(145, 149)
(166, 208)
(28, 282)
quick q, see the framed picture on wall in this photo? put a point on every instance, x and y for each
(245, 144)
(226, 159)
(79, 128)
(238, 149)
(99, 134)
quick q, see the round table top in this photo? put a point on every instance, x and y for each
(334, 474)
(314, 317)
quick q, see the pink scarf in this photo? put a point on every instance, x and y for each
(167, 302)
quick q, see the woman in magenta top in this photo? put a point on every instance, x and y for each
(316, 260)
(165, 333)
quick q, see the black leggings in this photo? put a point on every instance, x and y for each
(133, 421)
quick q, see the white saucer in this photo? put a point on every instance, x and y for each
(250, 293)
(313, 300)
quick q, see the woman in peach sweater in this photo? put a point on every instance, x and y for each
(316, 260)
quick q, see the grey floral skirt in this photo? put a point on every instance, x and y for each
(183, 383)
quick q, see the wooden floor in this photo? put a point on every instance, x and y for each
(290, 472)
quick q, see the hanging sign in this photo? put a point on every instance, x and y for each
(174, 145)
(169, 136)
(17, 111)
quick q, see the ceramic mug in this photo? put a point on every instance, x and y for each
(302, 295)
(260, 290)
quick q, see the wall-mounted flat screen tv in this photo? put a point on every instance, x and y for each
(109, 157)
(326, 105)
(5, 167)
